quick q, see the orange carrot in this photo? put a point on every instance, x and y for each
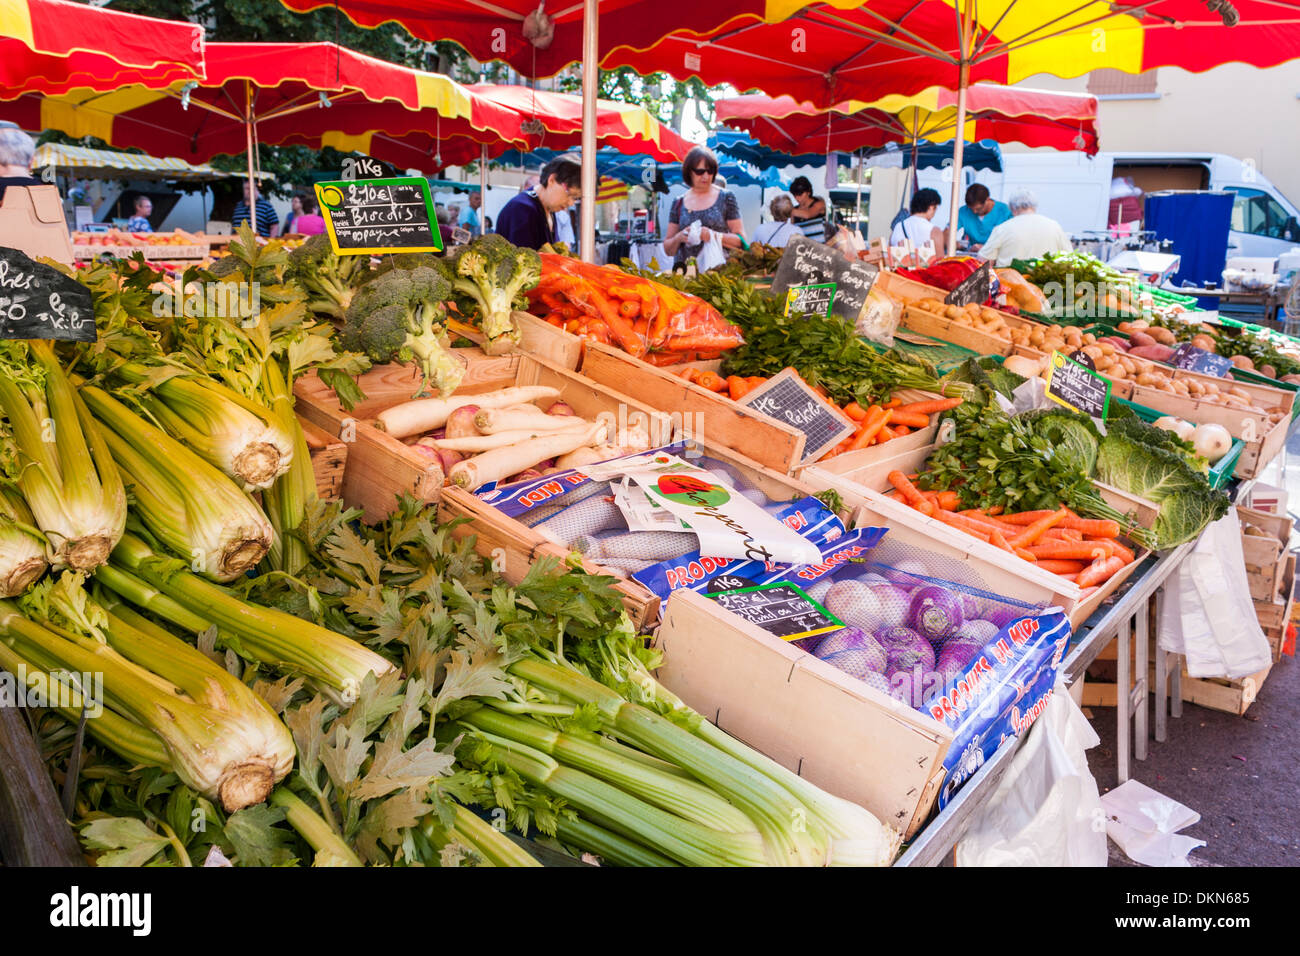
(1035, 530)
(927, 508)
(949, 500)
(996, 538)
(1099, 527)
(736, 387)
(855, 411)
(1115, 549)
(885, 434)
(911, 420)
(712, 381)
(930, 407)
(629, 308)
(1083, 551)
(902, 430)
(952, 519)
(1099, 571)
(908, 490)
(871, 425)
(1058, 566)
(1027, 555)
(892, 403)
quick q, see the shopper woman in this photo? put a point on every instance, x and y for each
(809, 215)
(919, 228)
(716, 209)
(777, 232)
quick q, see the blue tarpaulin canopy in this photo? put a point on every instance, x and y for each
(643, 170)
(985, 154)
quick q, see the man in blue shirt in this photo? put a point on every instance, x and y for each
(469, 220)
(980, 214)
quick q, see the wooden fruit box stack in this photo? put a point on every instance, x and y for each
(1275, 615)
(865, 488)
(1264, 552)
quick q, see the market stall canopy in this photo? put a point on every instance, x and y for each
(52, 46)
(1004, 114)
(827, 53)
(625, 127)
(641, 169)
(732, 142)
(984, 154)
(744, 148)
(312, 94)
(539, 41)
(107, 163)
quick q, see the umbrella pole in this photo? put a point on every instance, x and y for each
(590, 87)
(857, 213)
(482, 187)
(248, 130)
(959, 141)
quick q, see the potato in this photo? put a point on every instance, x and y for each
(1106, 348)
(1164, 336)
(951, 312)
(1106, 361)
(1089, 338)
(1267, 371)
(1037, 337)
(1203, 341)
(1148, 378)
(1241, 361)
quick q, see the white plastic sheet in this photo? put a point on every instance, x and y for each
(1207, 615)
(1047, 810)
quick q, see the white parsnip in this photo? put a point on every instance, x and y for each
(511, 459)
(492, 420)
(426, 414)
(474, 444)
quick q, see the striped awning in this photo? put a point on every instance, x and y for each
(101, 162)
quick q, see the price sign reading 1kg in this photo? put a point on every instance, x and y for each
(40, 302)
(376, 216)
(781, 609)
(1074, 385)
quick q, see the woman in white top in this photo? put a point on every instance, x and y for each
(777, 232)
(918, 228)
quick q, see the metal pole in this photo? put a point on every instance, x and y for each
(857, 213)
(252, 180)
(590, 87)
(482, 187)
(959, 143)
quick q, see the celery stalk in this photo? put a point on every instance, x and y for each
(329, 846)
(22, 549)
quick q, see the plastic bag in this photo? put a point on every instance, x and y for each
(880, 317)
(710, 255)
(1145, 823)
(1207, 615)
(1046, 810)
(638, 315)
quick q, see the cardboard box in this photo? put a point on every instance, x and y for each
(31, 221)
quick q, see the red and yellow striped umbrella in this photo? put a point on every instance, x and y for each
(312, 94)
(52, 46)
(1005, 114)
(538, 39)
(836, 50)
(611, 190)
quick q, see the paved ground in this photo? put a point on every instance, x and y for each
(1242, 774)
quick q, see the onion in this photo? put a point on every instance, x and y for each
(905, 572)
(1183, 429)
(1211, 442)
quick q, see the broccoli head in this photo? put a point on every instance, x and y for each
(329, 279)
(398, 317)
(489, 278)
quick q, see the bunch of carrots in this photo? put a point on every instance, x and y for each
(1087, 551)
(734, 387)
(647, 320)
(888, 420)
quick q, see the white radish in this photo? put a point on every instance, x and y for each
(492, 420)
(474, 444)
(426, 414)
(499, 462)
(586, 456)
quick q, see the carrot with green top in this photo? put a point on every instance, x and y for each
(1035, 530)
(911, 494)
(930, 407)
(949, 500)
(855, 411)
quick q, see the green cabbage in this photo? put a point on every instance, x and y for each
(1165, 478)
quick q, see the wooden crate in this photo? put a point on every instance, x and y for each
(967, 336)
(379, 467)
(1275, 615)
(1265, 557)
(864, 489)
(515, 546)
(536, 338)
(707, 415)
(329, 456)
(842, 735)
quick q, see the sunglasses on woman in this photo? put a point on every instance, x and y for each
(702, 170)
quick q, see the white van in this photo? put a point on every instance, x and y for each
(1074, 189)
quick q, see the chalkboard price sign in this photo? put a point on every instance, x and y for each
(809, 263)
(1188, 356)
(787, 398)
(974, 288)
(815, 299)
(1073, 385)
(40, 302)
(780, 609)
(375, 216)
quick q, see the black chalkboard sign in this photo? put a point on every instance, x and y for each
(1188, 356)
(1073, 385)
(787, 398)
(780, 609)
(974, 288)
(40, 302)
(806, 263)
(375, 216)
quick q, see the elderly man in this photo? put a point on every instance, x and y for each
(16, 152)
(1026, 235)
(469, 220)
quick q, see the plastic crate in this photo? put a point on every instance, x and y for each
(1221, 472)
